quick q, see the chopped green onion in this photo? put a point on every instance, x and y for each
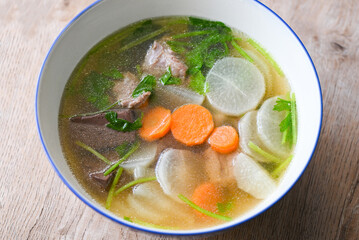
(204, 211)
(192, 34)
(147, 224)
(142, 39)
(224, 207)
(294, 118)
(265, 154)
(93, 151)
(241, 51)
(112, 189)
(266, 55)
(114, 166)
(279, 169)
(284, 136)
(130, 184)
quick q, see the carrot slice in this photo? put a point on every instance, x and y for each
(191, 124)
(207, 195)
(155, 124)
(224, 139)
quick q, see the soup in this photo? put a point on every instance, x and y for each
(178, 123)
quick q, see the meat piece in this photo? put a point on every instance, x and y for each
(123, 90)
(219, 167)
(135, 102)
(102, 180)
(159, 57)
(92, 130)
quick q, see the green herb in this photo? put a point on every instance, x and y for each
(133, 183)
(224, 207)
(168, 78)
(198, 23)
(214, 54)
(146, 224)
(95, 89)
(115, 165)
(280, 168)
(142, 39)
(198, 83)
(293, 111)
(123, 148)
(207, 42)
(195, 58)
(288, 126)
(266, 55)
(192, 34)
(93, 151)
(204, 211)
(113, 73)
(241, 51)
(122, 125)
(98, 112)
(146, 85)
(178, 47)
(112, 189)
(262, 152)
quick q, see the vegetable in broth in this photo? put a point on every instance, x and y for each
(178, 123)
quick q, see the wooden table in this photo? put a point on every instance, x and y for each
(324, 204)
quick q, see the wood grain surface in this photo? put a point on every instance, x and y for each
(324, 204)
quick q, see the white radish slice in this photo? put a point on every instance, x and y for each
(142, 172)
(236, 86)
(263, 67)
(142, 209)
(179, 172)
(251, 177)
(269, 132)
(247, 127)
(142, 157)
(152, 194)
(170, 96)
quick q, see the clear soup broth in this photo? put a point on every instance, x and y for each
(200, 116)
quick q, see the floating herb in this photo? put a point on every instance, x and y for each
(133, 183)
(95, 89)
(204, 211)
(112, 189)
(147, 84)
(133, 148)
(169, 79)
(241, 51)
(122, 125)
(288, 126)
(93, 151)
(264, 153)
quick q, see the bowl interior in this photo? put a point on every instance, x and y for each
(249, 16)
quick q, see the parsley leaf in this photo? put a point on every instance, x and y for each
(113, 73)
(168, 78)
(288, 126)
(95, 89)
(198, 83)
(122, 125)
(206, 43)
(146, 85)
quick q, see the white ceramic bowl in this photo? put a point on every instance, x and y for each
(250, 16)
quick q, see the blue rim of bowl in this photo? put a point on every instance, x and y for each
(123, 222)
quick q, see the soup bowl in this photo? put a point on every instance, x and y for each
(249, 16)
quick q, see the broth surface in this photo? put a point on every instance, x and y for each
(107, 55)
